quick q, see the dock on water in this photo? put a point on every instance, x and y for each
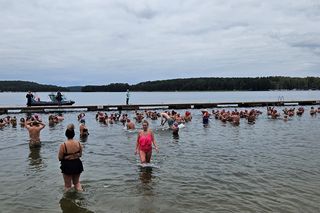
(39, 109)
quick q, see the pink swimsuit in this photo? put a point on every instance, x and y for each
(145, 142)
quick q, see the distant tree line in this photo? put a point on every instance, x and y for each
(24, 86)
(114, 87)
(183, 84)
(214, 84)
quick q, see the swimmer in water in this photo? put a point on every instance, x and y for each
(130, 125)
(60, 117)
(235, 119)
(34, 128)
(22, 122)
(300, 111)
(166, 118)
(13, 121)
(175, 128)
(83, 129)
(187, 116)
(205, 117)
(144, 143)
(81, 116)
(2, 123)
(313, 111)
(251, 117)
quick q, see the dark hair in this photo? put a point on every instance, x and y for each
(69, 133)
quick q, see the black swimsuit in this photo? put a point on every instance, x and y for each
(71, 167)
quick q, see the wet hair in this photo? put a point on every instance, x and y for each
(1, 120)
(69, 133)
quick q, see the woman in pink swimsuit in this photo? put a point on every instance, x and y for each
(144, 143)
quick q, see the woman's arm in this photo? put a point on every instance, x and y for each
(137, 143)
(60, 154)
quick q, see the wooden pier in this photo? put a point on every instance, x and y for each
(39, 109)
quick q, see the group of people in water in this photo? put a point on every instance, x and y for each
(70, 151)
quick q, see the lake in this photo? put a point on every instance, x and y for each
(101, 98)
(271, 166)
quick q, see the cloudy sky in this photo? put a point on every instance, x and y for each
(80, 42)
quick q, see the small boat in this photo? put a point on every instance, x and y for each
(53, 101)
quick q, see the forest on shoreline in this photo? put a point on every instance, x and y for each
(182, 84)
(24, 86)
(213, 84)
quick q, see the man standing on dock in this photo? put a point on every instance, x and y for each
(29, 97)
(128, 96)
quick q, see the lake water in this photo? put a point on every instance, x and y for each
(271, 166)
(101, 98)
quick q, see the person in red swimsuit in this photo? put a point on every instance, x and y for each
(144, 143)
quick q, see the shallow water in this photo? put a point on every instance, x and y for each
(271, 166)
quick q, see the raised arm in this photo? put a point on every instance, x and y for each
(42, 125)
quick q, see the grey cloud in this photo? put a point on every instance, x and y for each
(130, 41)
(143, 11)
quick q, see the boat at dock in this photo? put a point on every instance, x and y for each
(52, 102)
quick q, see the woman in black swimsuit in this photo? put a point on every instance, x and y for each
(71, 165)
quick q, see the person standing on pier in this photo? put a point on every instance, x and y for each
(127, 97)
(29, 97)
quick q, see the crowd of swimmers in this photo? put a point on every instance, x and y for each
(172, 118)
(71, 150)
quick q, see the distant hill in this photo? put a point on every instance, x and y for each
(24, 86)
(75, 88)
(181, 84)
(214, 84)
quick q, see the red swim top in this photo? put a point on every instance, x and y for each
(145, 142)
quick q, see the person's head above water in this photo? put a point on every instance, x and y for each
(70, 126)
(145, 125)
(70, 131)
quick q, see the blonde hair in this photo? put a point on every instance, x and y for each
(70, 127)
